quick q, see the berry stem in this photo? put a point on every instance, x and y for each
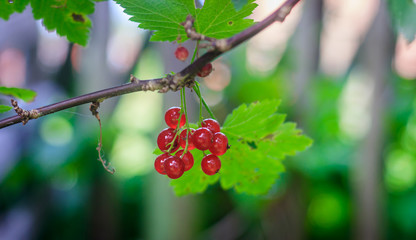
(198, 93)
(187, 122)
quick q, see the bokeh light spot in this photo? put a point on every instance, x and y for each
(56, 131)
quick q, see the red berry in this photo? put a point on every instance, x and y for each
(210, 164)
(182, 139)
(187, 159)
(202, 138)
(205, 70)
(172, 116)
(219, 144)
(211, 124)
(174, 167)
(159, 163)
(181, 53)
(164, 139)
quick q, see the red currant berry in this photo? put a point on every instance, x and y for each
(202, 138)
(174, 167)
(211, 124)
(182, 139)
(181, 53)
(159, 163)
(164, 139)
(187, 159)
(172, 116)
(210, 164)
(219, 144)
(205, 70)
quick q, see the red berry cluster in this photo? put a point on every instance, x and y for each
(207, 137)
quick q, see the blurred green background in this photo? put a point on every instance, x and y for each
(342, 73)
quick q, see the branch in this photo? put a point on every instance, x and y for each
(184, 78)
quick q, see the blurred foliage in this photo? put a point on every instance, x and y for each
(403, 15)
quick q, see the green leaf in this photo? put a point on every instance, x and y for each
(249, 170)
(24, 94)
(68, 18)
(403, 14)
(259, 142)
(4, 108)
(194, 180)
(286, 141)
(253, 122)
(162, 17)
(217, 18)
(8, 8)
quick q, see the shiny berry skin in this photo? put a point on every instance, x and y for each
(174, 167)
(210, 164)
(181, 53)
(182, 139)
(205, 70)
(172, 116)
(219, 144)
(164, 139)
(187, 159)
(211, 124)
(202, 138)
(159, 163)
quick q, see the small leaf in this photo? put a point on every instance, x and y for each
(5, 108)
(287, 141)
(259, 143)
(403, 14)
(24, 94)
(253, 122)
(68, 18)
(162, 17)
(219, 18)
(7, 7)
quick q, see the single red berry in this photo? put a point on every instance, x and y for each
(182, 139)
(219, 144)
(164, 139)
(202, 138)
(210, 164)
(172, 116)
(159, 163)
(187, 159)
(174, 167)
(211, 124)
(181, 53)
(205, 70)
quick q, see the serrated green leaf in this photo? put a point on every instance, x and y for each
(253, 122)
(259, 143)
(26, 95)
(286, 141)
(194, 180)
(68, 18)
(217, 18)
(162, 17)
(7, 8)
(5, 108)
(248, 170)
(403, 13)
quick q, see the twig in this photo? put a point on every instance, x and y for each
(94, 110)
(170, 82)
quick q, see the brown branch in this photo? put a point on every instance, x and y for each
(170, 82)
